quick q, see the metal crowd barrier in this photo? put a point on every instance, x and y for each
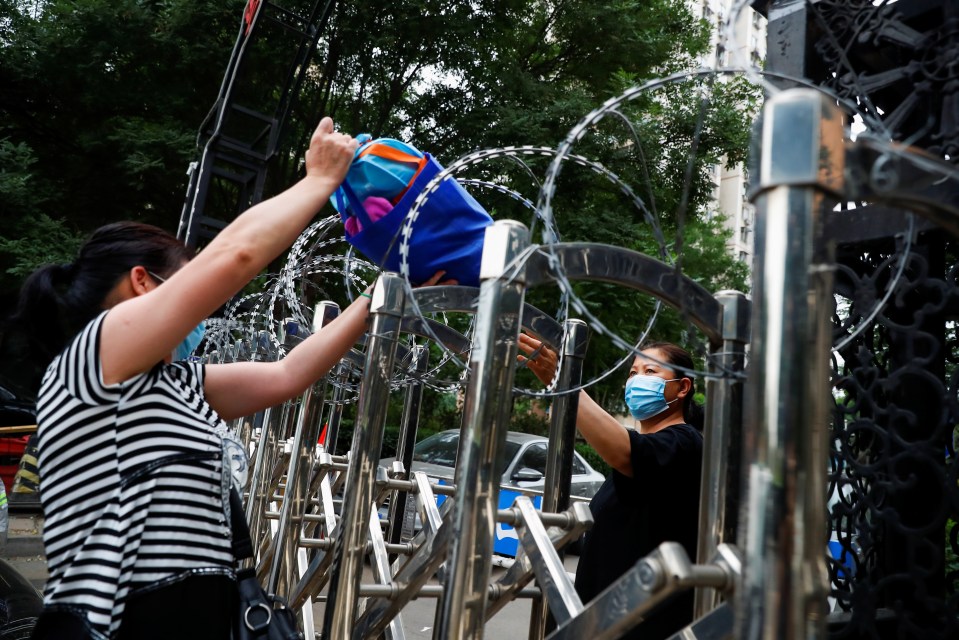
(760, 570)
(315, 514)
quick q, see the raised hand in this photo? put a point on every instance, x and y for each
(539, 358)
(330, 153)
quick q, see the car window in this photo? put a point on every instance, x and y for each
(579, 467)
(441, 449)
(509, 452)
(533, 458)
(438, 449)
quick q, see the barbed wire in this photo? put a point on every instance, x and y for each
(322, 250)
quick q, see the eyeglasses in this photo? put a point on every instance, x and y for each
(155, 276)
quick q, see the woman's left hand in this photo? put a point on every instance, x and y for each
(330, 154)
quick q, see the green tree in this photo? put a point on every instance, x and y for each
(99, 112)
(456, 77)
(30, 238)
(103, 98)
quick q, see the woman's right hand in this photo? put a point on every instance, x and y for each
(539, 358)
(330, 153)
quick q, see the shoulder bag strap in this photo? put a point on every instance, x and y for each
(242, 546)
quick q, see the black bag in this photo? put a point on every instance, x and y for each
(258, 616)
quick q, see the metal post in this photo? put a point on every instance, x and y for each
(349, 549)
(485, 422)
(283, 561)
(722, 440)
(404, 447)
(343, 371)
(783, 529)
(562, 436)
(272, 417)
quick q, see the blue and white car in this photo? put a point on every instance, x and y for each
(522, 466)
(521, 469)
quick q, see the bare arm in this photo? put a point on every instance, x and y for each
(243, 388)
(601, 430)
(144, 329)
(604, 434)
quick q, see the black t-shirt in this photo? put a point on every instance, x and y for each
(632, 516)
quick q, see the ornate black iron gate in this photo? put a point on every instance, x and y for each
(893, 492)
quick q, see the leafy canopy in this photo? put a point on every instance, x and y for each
(103, 99)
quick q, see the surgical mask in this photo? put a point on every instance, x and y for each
(646, 396)
(191, 342)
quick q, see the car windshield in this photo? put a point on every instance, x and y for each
(441, 449)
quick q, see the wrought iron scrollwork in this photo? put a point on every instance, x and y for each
(893, 498)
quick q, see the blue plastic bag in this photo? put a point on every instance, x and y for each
(447, 234)
(377, 171)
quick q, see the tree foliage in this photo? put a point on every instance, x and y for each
(100, 108)
(103, 99)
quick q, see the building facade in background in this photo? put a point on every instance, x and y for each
(744, 43)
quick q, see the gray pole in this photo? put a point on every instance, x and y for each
(283, 562)
(349, 547)
(489, 400)
(562, 437)
(407, 439)
(722, 441)
(272, 419)
(783, 521)
(343, 371)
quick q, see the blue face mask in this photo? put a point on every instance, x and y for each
(191, 342)
(646, 396)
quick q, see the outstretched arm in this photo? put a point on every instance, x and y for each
(601, 430)
(243, 388)
(144, 329)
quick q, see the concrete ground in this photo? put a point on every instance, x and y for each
(418, 616)
(24, 550)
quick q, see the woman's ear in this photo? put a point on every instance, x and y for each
(140, 280)
(134, 282)
(685, 387)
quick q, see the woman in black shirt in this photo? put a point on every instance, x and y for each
(652, 494)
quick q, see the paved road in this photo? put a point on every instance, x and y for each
(25, 553)
(510, 623)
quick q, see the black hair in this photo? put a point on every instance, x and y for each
(58, 300)
(676, 355)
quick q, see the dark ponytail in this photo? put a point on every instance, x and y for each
(57, 301)
(675, 355)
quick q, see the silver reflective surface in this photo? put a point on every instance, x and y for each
(349, 548)
(485, 422)
(784, 582)
(323, 539)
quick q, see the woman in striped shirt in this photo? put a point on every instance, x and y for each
(131, 456)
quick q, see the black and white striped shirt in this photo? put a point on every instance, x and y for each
(131, 482)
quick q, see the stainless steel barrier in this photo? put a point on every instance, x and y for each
(319, 546)
(349, 546)
(316, 545)
(286, 560)
(760, 570)
(782, 530)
